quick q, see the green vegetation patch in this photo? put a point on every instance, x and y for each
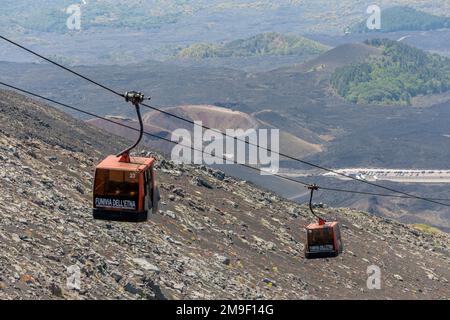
(426, 228)
(52, 16)
(402, 72)
(265, 44)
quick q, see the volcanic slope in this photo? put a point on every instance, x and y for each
(218, 118)
(215, 236)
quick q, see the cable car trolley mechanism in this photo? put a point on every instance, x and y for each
(125, 187)
(323, 239)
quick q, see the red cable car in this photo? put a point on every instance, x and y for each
(125, 187)
(323, 239)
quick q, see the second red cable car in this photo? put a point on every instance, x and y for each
(323, 239)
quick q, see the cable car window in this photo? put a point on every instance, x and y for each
(320, 237)
(116, 183)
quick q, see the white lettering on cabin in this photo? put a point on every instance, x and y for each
(115, 203)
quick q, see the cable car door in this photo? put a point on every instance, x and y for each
(155, 192)
(151, 192)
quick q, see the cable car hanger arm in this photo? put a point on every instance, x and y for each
(314, 187)
(136, 98)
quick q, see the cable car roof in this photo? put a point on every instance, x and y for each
(318, 226)
(137, 164)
